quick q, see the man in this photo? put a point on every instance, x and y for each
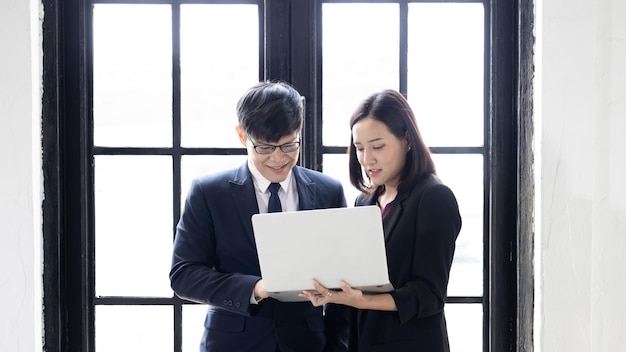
(214, 259)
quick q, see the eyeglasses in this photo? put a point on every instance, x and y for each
(266, 149)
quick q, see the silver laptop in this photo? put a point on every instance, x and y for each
(329, 245)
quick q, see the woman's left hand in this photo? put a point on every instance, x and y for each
(347, 296)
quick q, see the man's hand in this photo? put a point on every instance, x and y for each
(259, 291)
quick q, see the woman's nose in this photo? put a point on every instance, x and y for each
(368, 157)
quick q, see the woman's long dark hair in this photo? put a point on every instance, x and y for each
(391, 108)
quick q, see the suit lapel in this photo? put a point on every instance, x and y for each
(242, 190)
(306, 190)
(398, 208)
(392, 218)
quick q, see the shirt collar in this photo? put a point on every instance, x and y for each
(261, 183)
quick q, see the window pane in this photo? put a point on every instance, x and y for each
(336, 165)
(193, 326)
(193, 166)
(360, 56)
(465, 327)
(464, 175)
(219, 48)
(133, 214)
(134, 328)
(446, 72)
(132, 75)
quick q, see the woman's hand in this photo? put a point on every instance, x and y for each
(350, 297)
(347, 296)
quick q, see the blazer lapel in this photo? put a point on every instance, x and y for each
(396, 211)
(392, 218)
(306, 190)
(242, 190)
(390, 221)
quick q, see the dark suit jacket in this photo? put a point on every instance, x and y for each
(420, 233)
(215, 262)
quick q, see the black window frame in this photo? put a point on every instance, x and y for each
(68, 301)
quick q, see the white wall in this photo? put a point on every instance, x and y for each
(20, 153)
(581, 154)
(581, 115)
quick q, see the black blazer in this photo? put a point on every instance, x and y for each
(215, 262)
(420, 230)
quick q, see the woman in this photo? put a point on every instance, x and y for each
(421, 222)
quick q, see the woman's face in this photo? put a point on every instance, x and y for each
(381, 154)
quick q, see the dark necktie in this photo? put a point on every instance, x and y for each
(274, 203)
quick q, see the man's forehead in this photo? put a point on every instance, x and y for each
(287, 138)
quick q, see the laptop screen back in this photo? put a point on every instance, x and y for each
(329, 245)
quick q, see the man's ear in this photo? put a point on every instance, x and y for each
(242, 135)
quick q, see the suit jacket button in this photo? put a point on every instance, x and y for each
(238, 304)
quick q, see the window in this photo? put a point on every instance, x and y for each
(434, 53)
(140, 98)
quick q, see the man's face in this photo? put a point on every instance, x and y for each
(274, 166)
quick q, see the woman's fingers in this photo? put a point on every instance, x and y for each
(321, 289)
(316, 300)
(325, 295)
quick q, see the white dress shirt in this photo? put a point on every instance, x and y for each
(288, 194)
